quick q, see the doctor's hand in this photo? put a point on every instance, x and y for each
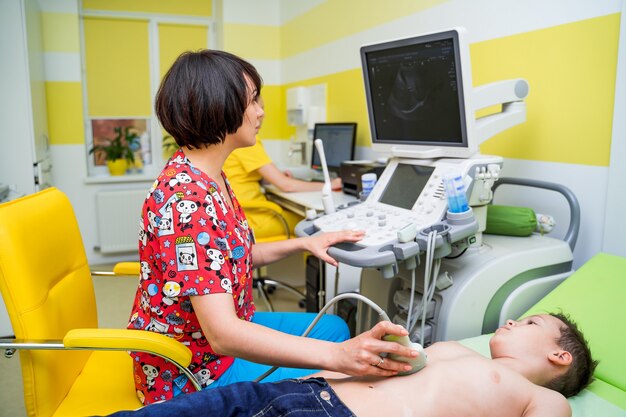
(361, 354)
(318, 245)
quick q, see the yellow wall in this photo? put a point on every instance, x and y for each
(64, 98)
(333, 20)
(65, 113)
(571, 69)
(253, 41)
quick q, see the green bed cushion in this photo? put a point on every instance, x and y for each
(608, 392)
(595, 298)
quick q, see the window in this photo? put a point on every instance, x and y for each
(125, 57)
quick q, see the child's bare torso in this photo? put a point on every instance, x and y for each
(456, 382)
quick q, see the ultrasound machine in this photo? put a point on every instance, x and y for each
(424, 259)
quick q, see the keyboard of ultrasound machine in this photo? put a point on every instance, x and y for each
(381, 222)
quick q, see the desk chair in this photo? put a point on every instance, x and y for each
(69, 366)
(264, 284)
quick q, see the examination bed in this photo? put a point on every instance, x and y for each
(595, 298)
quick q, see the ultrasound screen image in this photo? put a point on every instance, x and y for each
(414, 93)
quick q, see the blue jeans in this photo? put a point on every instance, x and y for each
(294, 398)
(330, 327)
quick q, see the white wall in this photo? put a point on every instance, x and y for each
(615, 224)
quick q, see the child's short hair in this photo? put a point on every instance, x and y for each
(580, 372)
(203, 97)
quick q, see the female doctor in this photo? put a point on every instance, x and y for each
(197, 251)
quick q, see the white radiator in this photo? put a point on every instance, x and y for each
(118, 214)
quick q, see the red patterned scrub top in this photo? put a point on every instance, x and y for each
(191, 244)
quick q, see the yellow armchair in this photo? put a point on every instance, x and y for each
(69, 366)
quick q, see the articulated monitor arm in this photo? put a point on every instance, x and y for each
(510, 94)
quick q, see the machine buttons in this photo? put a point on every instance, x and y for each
(381, 222)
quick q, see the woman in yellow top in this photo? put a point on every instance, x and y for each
(247, 167)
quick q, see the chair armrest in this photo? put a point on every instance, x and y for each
(261, 205)
(127, 268)
(120, 268)
(112, 339)
(123, 339)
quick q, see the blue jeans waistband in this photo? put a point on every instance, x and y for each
(303, 397)
(311, 397)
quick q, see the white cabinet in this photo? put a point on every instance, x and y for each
(24, 154)
(24, 147)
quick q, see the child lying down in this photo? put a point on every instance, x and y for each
(535, 364)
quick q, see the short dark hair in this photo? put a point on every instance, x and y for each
(204, 95)
(580, 372)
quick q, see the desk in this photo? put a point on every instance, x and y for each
(300, 202)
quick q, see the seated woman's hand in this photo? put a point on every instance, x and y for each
(361, 354)
(318, 245)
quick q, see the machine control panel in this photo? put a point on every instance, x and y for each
(408, 192)
(381, 222)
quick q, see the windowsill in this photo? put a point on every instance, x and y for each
(128, 178)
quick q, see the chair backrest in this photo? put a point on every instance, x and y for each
(47, 288)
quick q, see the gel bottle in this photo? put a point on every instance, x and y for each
(455, 192)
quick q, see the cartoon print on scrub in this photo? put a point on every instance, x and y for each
(151, 374)
(192, 244)
(186, 255)
(165, 222)
(186, 208)
(209, 208)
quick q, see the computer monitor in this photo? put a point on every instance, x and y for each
(418, 93)
(339, 140)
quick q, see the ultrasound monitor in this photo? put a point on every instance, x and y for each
(417, 91)
(338, 140)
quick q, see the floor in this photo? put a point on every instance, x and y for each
(114, 296)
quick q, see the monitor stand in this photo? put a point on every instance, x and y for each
(434, 153)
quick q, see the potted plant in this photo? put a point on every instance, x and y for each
(119, 152)
(169, 146)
